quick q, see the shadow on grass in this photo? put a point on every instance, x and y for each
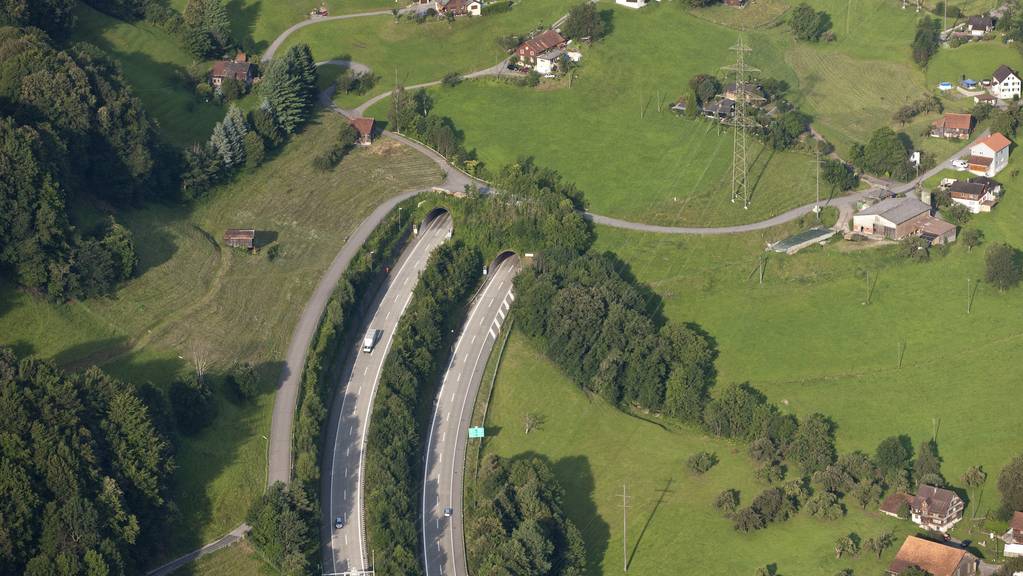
(650, 518)
(243, 23)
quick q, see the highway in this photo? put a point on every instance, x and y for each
(348, 422)
(443, 540)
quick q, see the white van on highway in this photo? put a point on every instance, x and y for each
(370, 340)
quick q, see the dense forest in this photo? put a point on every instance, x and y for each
(520, 527)
(71, 127)
(84, 472)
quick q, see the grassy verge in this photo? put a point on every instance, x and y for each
(238, 560)
(193, 294)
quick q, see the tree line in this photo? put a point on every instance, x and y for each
(520, 526)
(407, 386)
(84, 472)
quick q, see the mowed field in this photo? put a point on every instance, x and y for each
(417, 53)
(596, 449)
(195, 297)
(255, 23)
(613, 134)
(238, 560)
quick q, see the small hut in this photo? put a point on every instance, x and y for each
(238, 238)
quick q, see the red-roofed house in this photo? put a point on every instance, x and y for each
(238, 70)
(364, 126)
(952, 125)
(989, 155)
(934, 558)
(537, 45)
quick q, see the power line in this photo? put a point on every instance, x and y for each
(625, 524)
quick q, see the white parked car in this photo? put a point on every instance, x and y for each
(960, 164)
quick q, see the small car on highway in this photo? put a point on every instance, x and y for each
(339, 523)
(448, 512)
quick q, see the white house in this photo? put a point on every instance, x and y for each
(550, 61)
(989, 155)
(1014, 537)
(633, 3)
(978, 194)
(459, 7)
(1005, 83)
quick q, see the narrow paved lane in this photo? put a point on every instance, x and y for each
(443, 536)
(343, 462)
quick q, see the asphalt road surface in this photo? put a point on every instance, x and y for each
(342, 489)
(443, 539)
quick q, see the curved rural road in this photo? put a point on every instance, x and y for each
(279, 40)
(443, 535)
(346, 428)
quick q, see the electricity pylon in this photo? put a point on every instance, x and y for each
(745, 91)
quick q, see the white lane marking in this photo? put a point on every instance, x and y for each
(491, 331)
(491, 302)
(351, 429)
(365, 371)
(405, 281)
(474, 335)
(500, 314)
(512, 296)
(437, 414)
(388, 317)
(344, 402)
(346, 538)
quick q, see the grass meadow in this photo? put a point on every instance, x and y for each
(807, 339)
(417, 53)
(193, 295)
(595, 449)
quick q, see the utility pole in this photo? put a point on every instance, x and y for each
(817, 206)
(625, 524)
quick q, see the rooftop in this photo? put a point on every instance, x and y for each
(937, 559)
(953, 121)
(897, 210)
(1003, 72)
(996, 141)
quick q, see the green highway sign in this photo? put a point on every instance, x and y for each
(476, 432)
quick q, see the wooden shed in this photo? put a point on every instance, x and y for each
(240, 238)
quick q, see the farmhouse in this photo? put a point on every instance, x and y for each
(550, 61)
(936, 508)
(1013, 538)
(934, 558)
(978, 194)
(980, 25)
(989, 155)
(721, 109)
(986, 99)
(747, 91)
(459, 7)
(892, 218)
(1005, 83)
(537, 45)
(240, 238)
(238, 69)
(364, 126)
(952, 125)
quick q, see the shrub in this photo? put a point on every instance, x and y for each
(727, 501)
(824, 505)
(747, 520)
(701, 462)
(452, 79)
(193, 404)
(1002, 268)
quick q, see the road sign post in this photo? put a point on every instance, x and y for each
(476, 432)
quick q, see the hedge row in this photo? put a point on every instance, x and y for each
(406, 390)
